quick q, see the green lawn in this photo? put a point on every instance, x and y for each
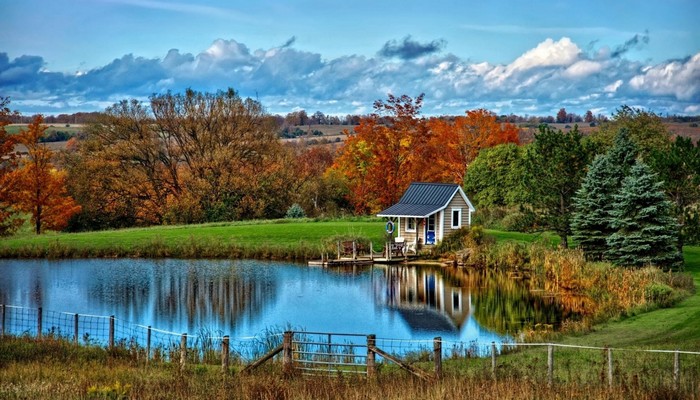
(246, 237)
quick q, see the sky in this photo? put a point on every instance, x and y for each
(523, 57)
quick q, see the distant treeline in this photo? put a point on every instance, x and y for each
(302, 118)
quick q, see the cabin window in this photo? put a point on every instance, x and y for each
(456, 218)
(431, 223)
(410, 224)
(456, 300)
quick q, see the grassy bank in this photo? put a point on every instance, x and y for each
(277, 239)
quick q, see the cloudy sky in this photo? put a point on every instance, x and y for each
(525, 57)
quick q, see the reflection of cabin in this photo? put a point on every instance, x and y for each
(426, 300)
(427, 212)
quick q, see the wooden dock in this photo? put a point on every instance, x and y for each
(349, 253)
(359, 261)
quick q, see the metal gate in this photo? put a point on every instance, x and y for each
(321, 353)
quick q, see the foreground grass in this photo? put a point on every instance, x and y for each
(32, 369)
(279, 239)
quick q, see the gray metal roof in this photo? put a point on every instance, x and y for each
(421, 200)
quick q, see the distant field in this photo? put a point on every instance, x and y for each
(70, 128)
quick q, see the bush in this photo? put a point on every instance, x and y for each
(658, 293)
(295, 211)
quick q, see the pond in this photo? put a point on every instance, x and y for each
(244, 297)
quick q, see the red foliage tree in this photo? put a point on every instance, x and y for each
(385, 154)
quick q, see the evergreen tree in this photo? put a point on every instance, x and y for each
(590, 222)
(646, 231)
(593, 202)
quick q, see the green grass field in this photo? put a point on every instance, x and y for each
(273, 238)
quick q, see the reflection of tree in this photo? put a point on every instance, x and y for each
(201, 293)
(499, 302)
(505, 305)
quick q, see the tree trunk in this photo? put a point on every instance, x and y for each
(37, 221)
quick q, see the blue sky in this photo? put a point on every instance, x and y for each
(524, 57)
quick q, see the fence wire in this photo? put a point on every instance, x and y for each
(333, 353)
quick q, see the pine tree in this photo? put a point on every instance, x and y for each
(647, 234)
(590, 222)
(593, 202)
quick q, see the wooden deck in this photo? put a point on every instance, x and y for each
(359, 261)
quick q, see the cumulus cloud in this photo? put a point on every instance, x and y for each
(409, 49)
(553, 74)
(680, 79)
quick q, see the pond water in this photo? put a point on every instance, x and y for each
(244, 298)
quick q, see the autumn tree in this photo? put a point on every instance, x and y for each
(40, 188)
(384, 155)
(562, 116)
(8, 162)
(455, 144)
(183, 158)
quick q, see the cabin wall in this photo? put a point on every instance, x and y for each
(457, 202)
(410, 236)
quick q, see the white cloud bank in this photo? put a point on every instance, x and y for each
(553, 74)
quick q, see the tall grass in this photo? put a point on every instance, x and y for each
(48, 368)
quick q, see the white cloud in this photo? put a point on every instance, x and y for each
(676, 78)
(551, 75)
(612, 88)
(582, 69)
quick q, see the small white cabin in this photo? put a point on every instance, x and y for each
(427, 212)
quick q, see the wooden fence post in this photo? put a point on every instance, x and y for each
(437, 356)
(493, 358)
(676, 370)
(111, 332)
(371, 364)
(610, 367)
(148, 344)
(38, 323)
(75, 328)
(225, 354)
(550, 364)
(287, 352)
(183, 351)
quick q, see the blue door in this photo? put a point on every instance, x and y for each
(430, 230)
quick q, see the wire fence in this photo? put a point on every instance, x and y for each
(146, 342)
(334, 353)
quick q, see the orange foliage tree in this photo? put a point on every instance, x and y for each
(455, 144)
(8, 162)
(39, 187)
(382, 158)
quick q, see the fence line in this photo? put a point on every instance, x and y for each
(330, 353)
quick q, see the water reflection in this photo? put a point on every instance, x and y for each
(244, 298)
(427, 300)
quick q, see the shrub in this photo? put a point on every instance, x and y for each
(295, 211)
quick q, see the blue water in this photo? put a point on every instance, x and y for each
(244, 298)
